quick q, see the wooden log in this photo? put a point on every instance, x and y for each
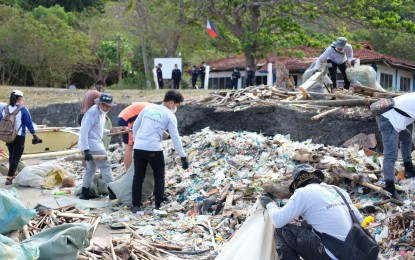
(114, 256)
(80, 157)
(167, 247)
(71, 215)
(44, 155)
(307, 157)
(333, 103)
(96, 223)
(325, 113)
(212, 236)
(352, 176)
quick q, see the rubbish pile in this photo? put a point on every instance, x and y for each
(237, 100)
(208, 203)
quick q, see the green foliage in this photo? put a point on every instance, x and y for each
(299, 54)
(68, 5)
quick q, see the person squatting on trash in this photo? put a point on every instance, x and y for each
(88, 100)
(395, 126)
(91, 143)
(23, 120)
(320, 206)
(340, 55)
(148, 131)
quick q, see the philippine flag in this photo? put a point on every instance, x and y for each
(211, 30)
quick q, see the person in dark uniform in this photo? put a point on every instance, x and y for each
(250, 76)
(160, 76)
(176, 76)
(235, 77)
(202, 72)
(195, 74)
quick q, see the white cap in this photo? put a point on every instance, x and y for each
(18, 93)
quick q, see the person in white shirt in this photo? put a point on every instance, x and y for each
(395, 126)
(148, 131)
(340, 55)
(323, 210)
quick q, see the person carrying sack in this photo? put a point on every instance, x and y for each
(14, 119)
(323, 211)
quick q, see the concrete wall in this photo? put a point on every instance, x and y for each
(332, 130)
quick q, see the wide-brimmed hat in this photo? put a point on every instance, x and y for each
(105, 99)
(340, 43)
(302, 173)
(18, 93)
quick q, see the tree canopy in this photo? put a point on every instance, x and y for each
(53, 43)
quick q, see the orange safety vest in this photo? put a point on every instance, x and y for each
(130, 114)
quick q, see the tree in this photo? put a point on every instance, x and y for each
(261, 26)
(68, 5)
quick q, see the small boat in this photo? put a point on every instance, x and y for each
(53, 139)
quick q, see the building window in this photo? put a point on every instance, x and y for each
(386, 80)
(405, 84)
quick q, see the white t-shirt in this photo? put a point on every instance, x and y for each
(149, 126)
(406, 103)
(321, 206)
(332, 54)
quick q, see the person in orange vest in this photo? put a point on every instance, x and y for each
(126, 118)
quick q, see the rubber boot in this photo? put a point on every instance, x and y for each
(409, 170)
(85, 194)
(111, 194)
(390, 186)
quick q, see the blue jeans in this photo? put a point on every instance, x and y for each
(391, 140)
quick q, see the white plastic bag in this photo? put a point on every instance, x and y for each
(34, 175)
(254, 240)
(364, 75)
(122, 188)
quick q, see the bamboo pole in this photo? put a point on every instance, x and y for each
(79, 157)
(325, 113)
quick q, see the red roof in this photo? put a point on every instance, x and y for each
(298, 59)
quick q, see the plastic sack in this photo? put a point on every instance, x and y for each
(253, 240)
(122, 187)
(363, 75)
(10, 250)
(61, 242)
(54, 178)
(13, 214)
(34, 175)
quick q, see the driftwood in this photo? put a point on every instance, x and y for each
(325, 113)
(80, 157)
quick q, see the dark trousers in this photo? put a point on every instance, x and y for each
(156, 161)
(202, 78)
(16, 149)
(161, 84)
(249, 82)
(194, 83)
(333, 73)
(234, 83)
(294, 241)
(176, 84)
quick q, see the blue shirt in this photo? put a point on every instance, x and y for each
(23, 120)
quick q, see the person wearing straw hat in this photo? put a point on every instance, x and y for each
(339, 55)
(91, 143)
(323, 210)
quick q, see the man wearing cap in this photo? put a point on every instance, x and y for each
(234, 78)
(88, 99)
(320, 206)
(91, 143)
(340, 55)
(395, 126)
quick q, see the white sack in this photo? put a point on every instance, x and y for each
(254, 240)
(34, 175)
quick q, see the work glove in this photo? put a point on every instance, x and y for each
(265, 200)
(36, 140)
(185, 163)
(88, 155)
